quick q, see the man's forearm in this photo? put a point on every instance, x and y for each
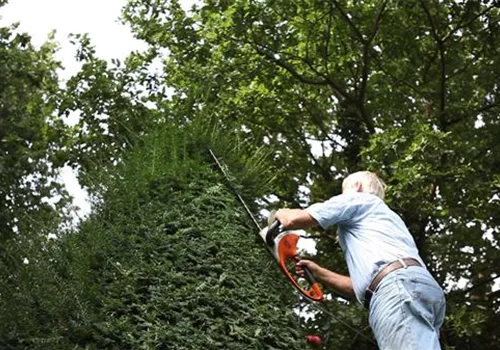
(339, 283)
(295, 218)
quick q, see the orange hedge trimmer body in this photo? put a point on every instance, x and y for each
(283, 246)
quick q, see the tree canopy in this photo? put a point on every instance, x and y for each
(407, 89)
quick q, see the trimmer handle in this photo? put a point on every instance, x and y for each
(272, 232)
(308, 275)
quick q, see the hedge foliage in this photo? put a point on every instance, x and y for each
(172, 259)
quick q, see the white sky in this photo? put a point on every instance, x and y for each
(98, 18)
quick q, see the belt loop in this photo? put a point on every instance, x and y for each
(402, 262)
(368, 298)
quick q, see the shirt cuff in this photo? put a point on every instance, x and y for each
(313, 210)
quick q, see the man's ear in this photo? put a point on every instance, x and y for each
(358, 185)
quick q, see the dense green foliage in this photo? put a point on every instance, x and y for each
(33, 203)
(174, 263)
(408, 89)
(28, 130)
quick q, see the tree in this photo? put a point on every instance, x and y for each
(33, 204)
(30, 133)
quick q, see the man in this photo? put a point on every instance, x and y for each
(386, 274)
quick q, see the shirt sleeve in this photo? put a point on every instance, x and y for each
(337, 210)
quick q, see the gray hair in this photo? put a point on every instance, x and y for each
(370, 182)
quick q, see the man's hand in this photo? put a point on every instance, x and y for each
(315, 269)
(295, 219)
(340, 283)
(286, 216)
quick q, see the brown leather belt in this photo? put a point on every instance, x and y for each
(393, 266)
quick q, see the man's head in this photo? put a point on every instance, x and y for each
(364, 181)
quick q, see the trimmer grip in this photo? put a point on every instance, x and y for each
(308, 275)
(272, 232)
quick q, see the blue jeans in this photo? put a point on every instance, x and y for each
(407, 310)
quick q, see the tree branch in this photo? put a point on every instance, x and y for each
(403, 82)
(484, 108)
(378, 19)
(464, 67)
(291, 69)
(328, 37)
(442, 63)
(344, 15)
(479, 285)
(367, 52)
(322, 128)
(325, 172)
(340, 93)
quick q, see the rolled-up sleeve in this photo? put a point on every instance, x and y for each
(338, 209)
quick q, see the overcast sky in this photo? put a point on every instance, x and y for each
(98, 18)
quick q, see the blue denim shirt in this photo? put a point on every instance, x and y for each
(370, 234)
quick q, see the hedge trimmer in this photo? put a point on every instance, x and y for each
(282, 245)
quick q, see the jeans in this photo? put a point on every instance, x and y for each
(407, 310)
